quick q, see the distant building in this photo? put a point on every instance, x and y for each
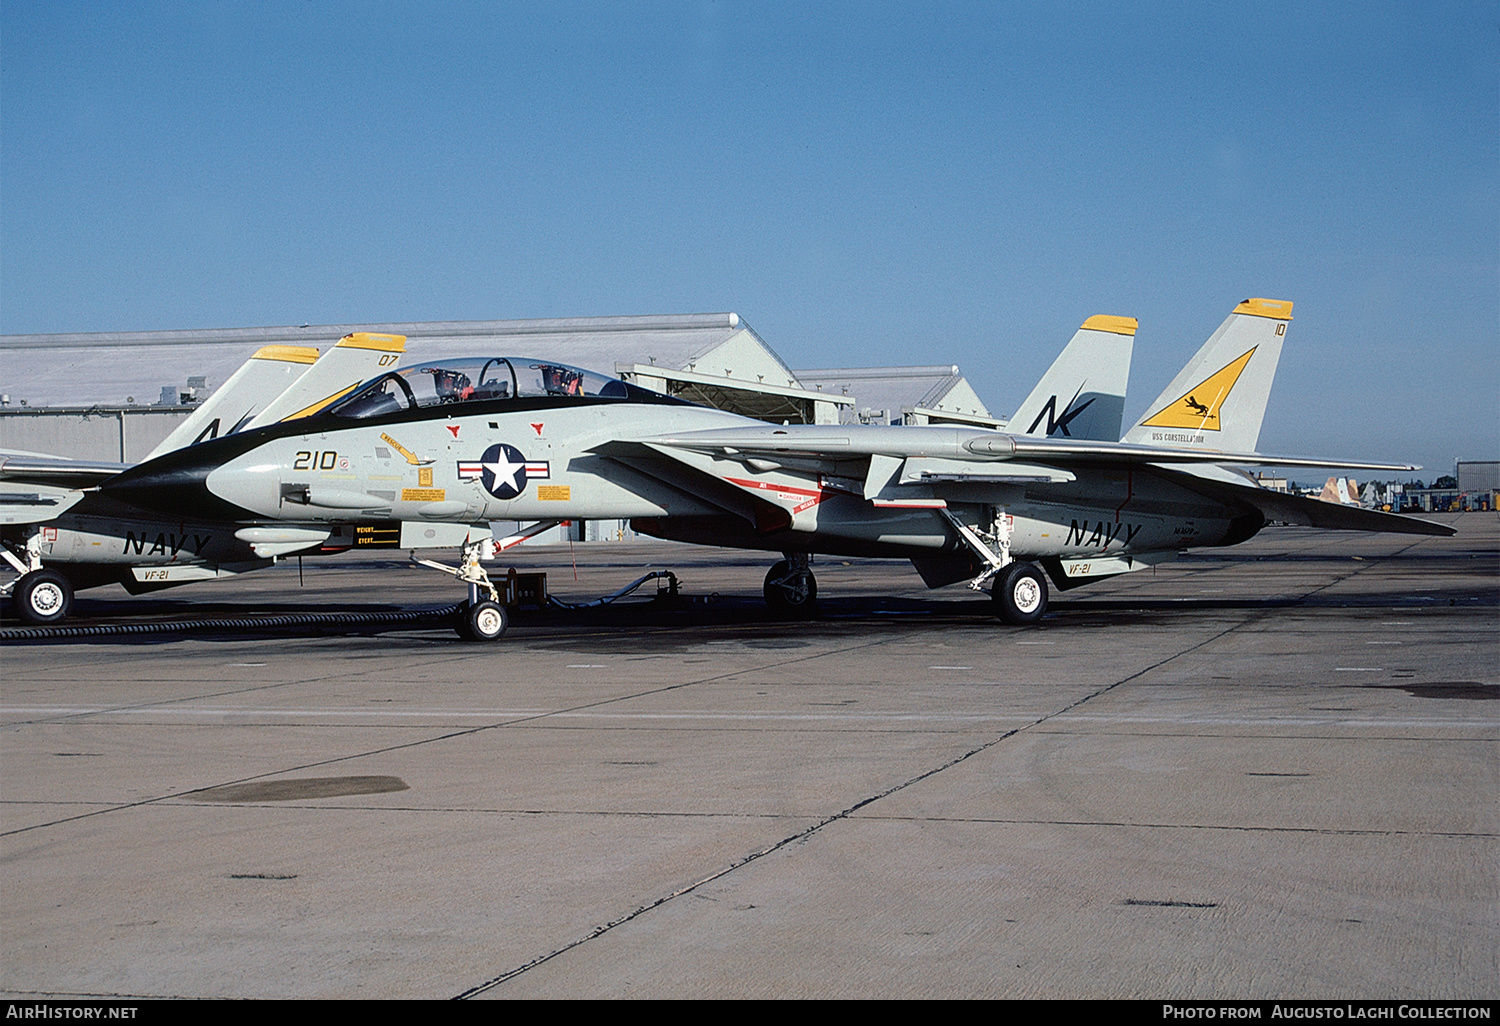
(115, 395)
(1432, 500)
(1479, 483)
(903, 395)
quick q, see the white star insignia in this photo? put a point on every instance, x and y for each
(504, 470)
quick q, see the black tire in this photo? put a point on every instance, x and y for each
(43, 597)
(1020, 595)
(482, 621)
(788, 594)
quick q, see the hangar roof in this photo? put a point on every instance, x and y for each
(119, 368)
(932, 394)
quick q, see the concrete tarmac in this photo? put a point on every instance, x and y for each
(1268, 771)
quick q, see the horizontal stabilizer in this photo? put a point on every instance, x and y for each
(1306, 512)
(1298, 509)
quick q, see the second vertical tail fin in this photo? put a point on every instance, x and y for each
(1217, 401)
(263, 377)
(353, 359)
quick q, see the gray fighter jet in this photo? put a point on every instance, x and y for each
(457, 444)
(59, 533)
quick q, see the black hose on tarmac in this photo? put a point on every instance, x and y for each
(300, 619)
(227, 623)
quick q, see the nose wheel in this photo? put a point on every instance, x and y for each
(791, 590)
(1020, 594)
(482, 621)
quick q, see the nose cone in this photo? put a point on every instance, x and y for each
(176, 485)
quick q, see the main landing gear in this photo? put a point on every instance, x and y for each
(1019, 593)
(791, 590)
(42, 598)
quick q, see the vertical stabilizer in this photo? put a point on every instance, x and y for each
(263, 377)
(1082, 395)
(1341, 490)
(355, 358)
(1217, 402)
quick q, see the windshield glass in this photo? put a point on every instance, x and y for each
(471, 380)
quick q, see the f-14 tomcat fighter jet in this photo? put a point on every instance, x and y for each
(469, 441)
(58, 532)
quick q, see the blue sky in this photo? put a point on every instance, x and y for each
(865, 183)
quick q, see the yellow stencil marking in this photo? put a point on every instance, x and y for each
(411, 457)
(423, 494)
(424, 477)
(554, 493)
(1199, 409)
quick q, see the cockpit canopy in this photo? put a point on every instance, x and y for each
(472, 380)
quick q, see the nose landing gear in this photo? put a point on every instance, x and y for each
(480, 619)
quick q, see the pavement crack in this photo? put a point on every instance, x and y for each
(810, 831)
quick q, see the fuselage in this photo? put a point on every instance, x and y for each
(567, 457)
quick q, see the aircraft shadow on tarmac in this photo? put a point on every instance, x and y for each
(173, 619)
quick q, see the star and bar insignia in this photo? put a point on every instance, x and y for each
(503, 470)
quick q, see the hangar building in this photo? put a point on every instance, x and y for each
(903, 395)
(115, 395)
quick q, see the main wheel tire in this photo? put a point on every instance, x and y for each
(790, 594)
(1020, 595)
(482, 621)
(43, 597)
